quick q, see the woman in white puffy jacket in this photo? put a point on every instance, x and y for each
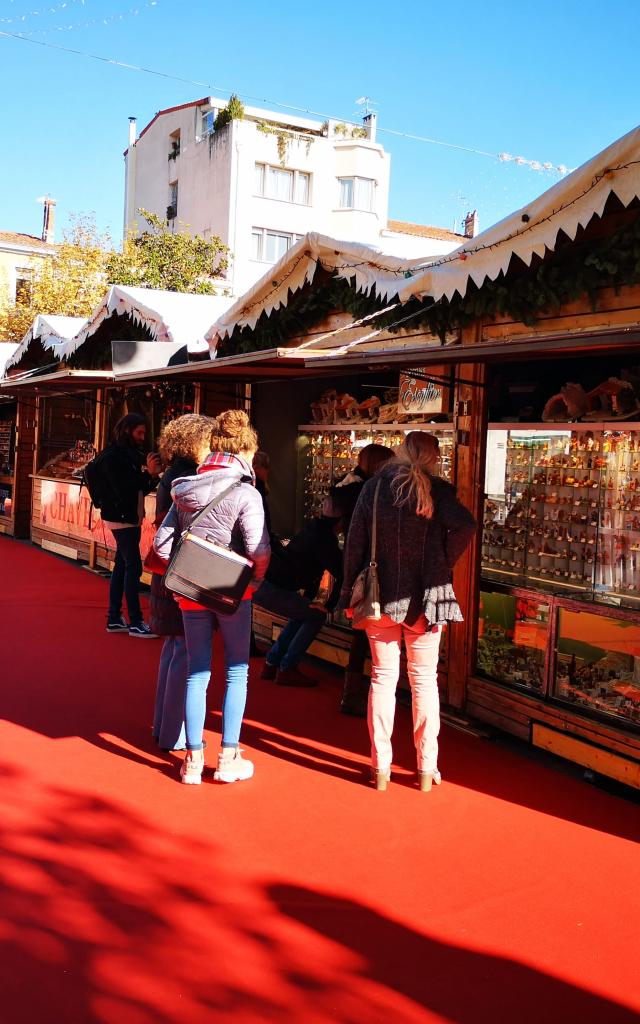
(237, 522)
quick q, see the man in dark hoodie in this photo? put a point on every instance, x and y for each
(297, 567)
(128, 475)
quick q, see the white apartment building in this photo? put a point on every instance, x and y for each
(262, 182)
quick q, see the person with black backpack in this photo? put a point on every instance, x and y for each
(118, 480)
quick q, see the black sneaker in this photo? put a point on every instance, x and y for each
(117, 626)
(142, 630)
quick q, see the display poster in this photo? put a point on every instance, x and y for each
(65, 508)
(420, 397)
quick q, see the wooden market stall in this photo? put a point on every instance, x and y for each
(70, 391)
(539, 320)
(18, 418)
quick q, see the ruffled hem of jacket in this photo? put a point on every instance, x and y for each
(440, 605)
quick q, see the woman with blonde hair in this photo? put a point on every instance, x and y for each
(184, 443)
(235, 522)
(422, 529)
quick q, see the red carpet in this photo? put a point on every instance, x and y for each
(511, 893)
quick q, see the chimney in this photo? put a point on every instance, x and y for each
(49, 222)
(471, 224)
(132, 131)
(370, 121)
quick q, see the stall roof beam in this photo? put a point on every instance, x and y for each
(557, 345)
(63, 380)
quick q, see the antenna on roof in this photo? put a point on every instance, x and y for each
(367, 104)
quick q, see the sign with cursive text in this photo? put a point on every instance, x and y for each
(420, 397)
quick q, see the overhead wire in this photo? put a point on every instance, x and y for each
(502, 157)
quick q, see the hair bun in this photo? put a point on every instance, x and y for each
(232, 422)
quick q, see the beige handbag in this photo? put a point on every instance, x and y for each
(365, 594)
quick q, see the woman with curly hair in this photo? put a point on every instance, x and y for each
(235, 522)
(184, 443)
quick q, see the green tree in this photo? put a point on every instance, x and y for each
(234, 111)
(71, 282)
(176, 262)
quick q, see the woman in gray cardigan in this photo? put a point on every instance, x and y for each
(422, 530)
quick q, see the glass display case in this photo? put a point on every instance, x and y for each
(67, 427)
(562, 510)
(597, 664)
(561, 532)
(513, 639)
(327, 453)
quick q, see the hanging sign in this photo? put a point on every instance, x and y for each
(421, 397)
(65, 508)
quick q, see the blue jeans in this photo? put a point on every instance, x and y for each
(125, 578)
(303, 627)
(168, 719)
(236, 636)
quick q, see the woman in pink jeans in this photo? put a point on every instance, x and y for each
(422, 529)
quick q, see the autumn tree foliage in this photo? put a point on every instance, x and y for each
(75, 278)
(70, 282)
(171, 260)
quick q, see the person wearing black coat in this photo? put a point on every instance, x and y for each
(344, 498)
(422, 529)
(127, 476)
(184, 443)
(300, 566)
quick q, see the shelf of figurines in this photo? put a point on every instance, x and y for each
(569, 517)
(331, 450)
(372, 428)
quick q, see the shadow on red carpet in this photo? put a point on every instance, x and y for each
(107, 919)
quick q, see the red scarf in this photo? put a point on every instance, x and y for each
(222, 460)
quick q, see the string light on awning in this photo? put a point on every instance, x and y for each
(535, 165)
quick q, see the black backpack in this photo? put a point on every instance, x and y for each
(95, 479)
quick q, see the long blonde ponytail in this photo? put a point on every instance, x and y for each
(417, 458)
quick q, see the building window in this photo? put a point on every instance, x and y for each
(270, 246)
(172, 208)
(283, 184)
(174, 144)
(207, 120)
(356, 194)
(24, 285)
(302, 188)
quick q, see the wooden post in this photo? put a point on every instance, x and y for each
(24, 465)
(470, 442)
(99, 428)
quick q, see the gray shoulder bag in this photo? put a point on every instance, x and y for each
(207, 573)
(365, 594)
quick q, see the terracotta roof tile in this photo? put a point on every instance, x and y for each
(17, 238)
(423, 230)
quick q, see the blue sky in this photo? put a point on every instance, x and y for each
(554, 80)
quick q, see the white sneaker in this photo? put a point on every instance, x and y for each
(191, 771)
(232, 767)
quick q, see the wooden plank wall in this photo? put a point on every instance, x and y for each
(514, 712)
(38, 534)
(217, 396)
(621, 309)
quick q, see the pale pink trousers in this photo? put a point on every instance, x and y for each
(385, 638)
